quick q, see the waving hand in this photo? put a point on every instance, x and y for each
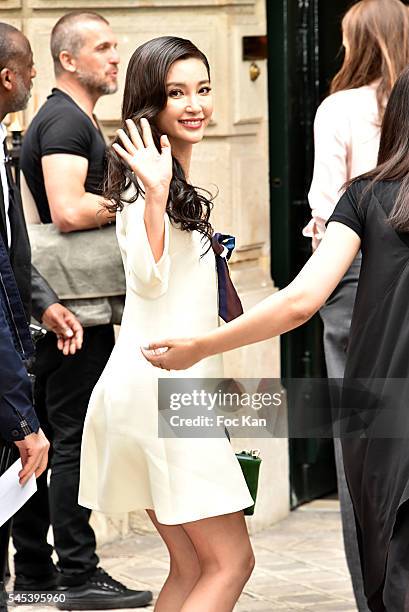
(154, 169)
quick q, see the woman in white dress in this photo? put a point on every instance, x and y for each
(192, 489)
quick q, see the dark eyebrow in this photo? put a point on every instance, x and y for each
(184, 84)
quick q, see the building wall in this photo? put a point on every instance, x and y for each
(233, 159)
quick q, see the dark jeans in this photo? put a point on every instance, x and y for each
(62, 391)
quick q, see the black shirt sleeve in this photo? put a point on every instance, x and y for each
(351, 208)
(65, 132)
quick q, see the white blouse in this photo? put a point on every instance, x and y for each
(346, 139)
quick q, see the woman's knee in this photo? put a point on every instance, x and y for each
(246, 563)
(234, 568)
(187, 570)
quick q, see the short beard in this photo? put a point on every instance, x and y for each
(95, 85)
(21, 97)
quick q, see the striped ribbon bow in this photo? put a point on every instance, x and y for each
(229, 302)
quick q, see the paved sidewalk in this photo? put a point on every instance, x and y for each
(299, 564)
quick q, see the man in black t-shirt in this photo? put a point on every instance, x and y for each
(63, 163)
(64, 134)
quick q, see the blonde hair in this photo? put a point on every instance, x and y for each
(377, 37)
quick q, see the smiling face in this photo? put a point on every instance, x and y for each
(189, 104)
(97, 61)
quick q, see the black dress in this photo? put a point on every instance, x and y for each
(375, 402)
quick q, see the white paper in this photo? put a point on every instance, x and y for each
(12, 494)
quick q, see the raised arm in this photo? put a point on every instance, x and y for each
(275, 315)
(154, 171)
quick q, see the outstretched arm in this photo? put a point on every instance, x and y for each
(275, 315)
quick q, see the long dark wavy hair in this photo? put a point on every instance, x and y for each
(145, 95)
(393, 156)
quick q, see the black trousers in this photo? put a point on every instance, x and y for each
(336, 315)
(62, 391)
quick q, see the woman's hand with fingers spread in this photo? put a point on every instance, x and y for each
(174, 354)
(153, 168)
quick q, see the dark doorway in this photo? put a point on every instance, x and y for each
(305, 51)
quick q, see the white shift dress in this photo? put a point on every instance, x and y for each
(125, 466)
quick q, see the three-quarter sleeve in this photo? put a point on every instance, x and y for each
(331, 143)
(148, 278)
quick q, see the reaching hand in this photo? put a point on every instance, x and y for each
(66, 326)
(34, 455)
(154, 169)
(173, 354)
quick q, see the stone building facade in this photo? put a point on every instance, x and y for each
(233, 158)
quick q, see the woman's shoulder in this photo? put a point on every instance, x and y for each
(349, 100)
(359, 186)
(366, 191)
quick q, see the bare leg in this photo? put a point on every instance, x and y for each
(226, 559)
(184, 569)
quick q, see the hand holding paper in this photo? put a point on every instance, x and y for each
(12, 494)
